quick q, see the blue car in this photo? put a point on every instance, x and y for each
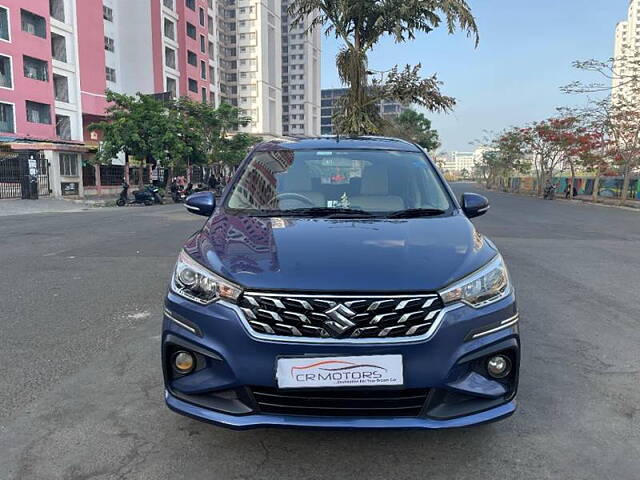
(338, 283)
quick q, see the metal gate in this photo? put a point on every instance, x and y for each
(24, 175)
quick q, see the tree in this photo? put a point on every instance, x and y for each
(503, 155)
(361, 24)
(415, 127)
(618, 116)
(211, 129)
(550, 142)
(178, 133)
(140, 126)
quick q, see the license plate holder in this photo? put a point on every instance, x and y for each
(340, 371)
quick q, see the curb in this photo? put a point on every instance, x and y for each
(570, 201)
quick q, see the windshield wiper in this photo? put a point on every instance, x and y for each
(323, 212)
(416, 213)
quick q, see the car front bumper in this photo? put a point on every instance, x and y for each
(232, 361)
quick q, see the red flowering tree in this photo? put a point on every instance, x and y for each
(550, 143)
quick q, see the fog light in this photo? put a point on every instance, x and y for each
(184, 362)
(499, 366)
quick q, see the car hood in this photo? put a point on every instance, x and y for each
(340, 255)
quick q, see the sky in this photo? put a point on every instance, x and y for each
(514, 76)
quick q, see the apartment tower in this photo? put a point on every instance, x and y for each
(627, 48)
(300, 77)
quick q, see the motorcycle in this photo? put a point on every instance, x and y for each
(177, 192)
(139, 197)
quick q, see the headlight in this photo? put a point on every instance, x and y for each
(487, 285)
(194, 282)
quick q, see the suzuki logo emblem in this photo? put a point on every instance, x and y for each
(340, 318)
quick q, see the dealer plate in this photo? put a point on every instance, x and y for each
(323, 372)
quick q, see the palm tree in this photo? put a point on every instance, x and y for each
(360, 24)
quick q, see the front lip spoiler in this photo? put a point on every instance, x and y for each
(289, 421)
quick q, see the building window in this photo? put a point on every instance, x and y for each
(192, 58)
(170, 57)
(202, 17)
(59, 47)
(33, 24)
(107, 13)
(168, 4)
(203, 44)
(38, 113)
(204, 95)
(36, 69)
(6, 118)
(109, 44)
(63, 131)
(191, 30)
(212, 49)
(212, 74)
(169, 29)
(56, 9)
(68, 164)
(5, 33)
(172, 87)
(210, 24)
(193, 85)
(61, 88)
(203, 70)
(111, 74)
(191, 4)
(6, 74)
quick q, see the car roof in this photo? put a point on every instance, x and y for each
(339, 143)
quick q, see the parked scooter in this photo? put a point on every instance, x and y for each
(139, 197)
(155, 191)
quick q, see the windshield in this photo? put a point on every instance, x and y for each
(366, 182)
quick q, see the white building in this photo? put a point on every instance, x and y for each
(300, 77)
(627, 49)
(456, 162)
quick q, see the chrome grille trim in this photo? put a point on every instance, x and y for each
(341, 341)
(341, 318)
(353, 295)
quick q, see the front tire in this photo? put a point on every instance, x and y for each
(120, 202)
(148, 202)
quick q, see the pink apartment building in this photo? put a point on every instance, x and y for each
(58, 58)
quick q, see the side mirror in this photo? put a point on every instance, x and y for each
(474, 205)
(201, 203)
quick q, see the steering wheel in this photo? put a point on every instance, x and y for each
(294, 196)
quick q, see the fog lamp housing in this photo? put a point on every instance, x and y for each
(184, 362)
(499, 366)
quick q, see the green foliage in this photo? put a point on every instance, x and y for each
(361, 24)
(232, 150)
(178, 132)
(503, 156)
(142, 127)
(415, 127)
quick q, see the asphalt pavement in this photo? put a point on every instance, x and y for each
(81, 393)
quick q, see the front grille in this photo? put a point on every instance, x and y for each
(341, 403)
(341, 316)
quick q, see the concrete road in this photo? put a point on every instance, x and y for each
(81, 387)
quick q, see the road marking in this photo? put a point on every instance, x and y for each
(55, 253)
